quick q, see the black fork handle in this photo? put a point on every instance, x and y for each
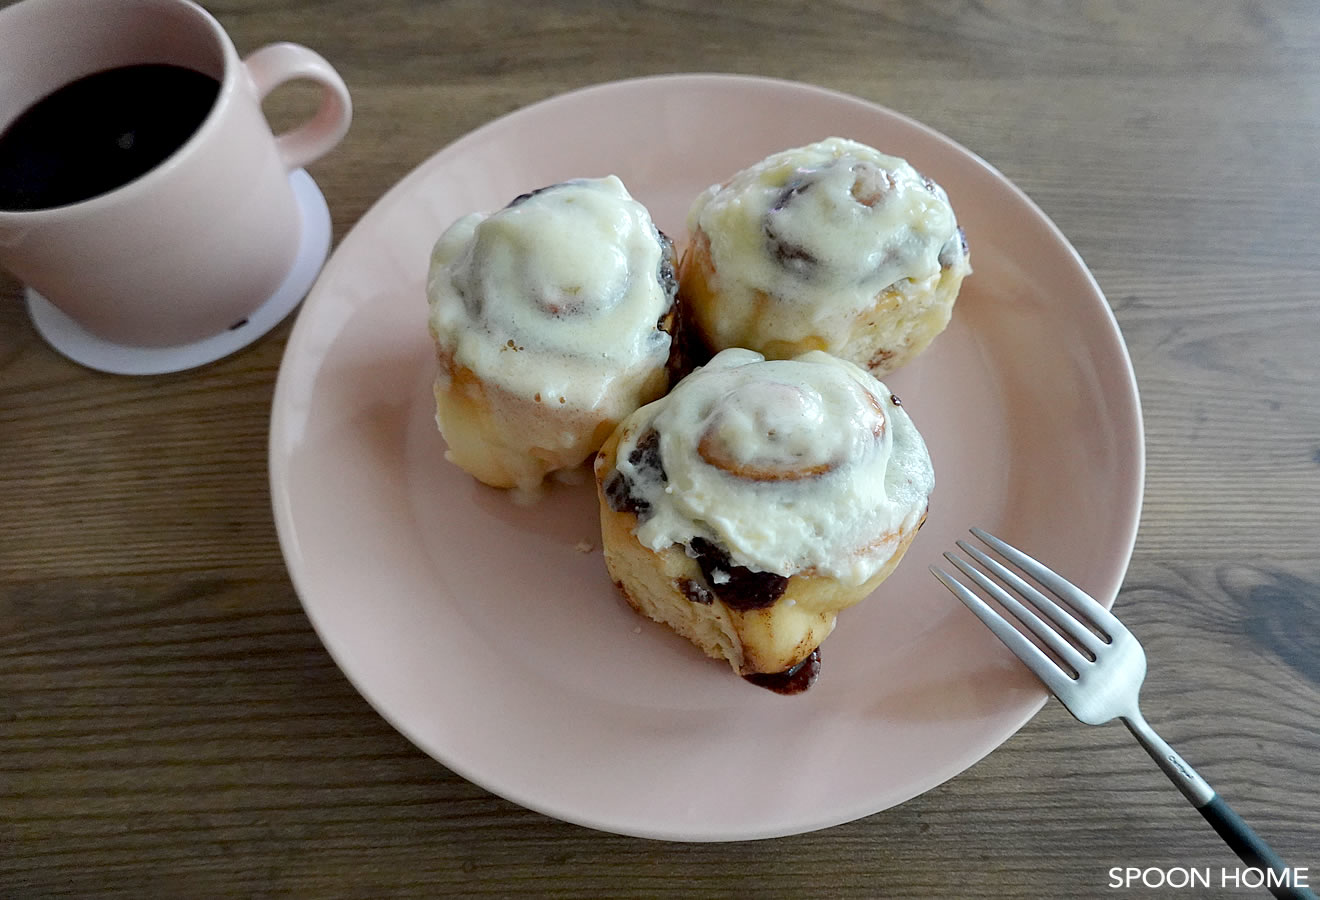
(1249, 846)
(1252, 850)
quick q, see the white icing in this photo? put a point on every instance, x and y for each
(781, 418)
(795, 227)
(555, 297)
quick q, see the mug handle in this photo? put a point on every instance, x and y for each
(275, 64)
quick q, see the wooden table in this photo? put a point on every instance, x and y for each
(171, 726)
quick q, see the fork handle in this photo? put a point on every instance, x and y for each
(1239, 836)
(1250, 847)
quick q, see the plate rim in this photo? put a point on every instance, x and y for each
(285, 526)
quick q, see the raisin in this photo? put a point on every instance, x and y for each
(737, 587)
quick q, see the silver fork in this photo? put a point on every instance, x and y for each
(1100, 678)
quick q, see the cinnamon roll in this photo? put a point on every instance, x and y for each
(552, 321)
(758, 499)
(833, 246)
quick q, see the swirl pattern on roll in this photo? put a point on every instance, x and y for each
(558, 298)
(804, 466)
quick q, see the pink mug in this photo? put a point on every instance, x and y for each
(182, 256)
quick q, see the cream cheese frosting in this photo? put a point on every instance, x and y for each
(556, 297)
(822, 230)
(793, 466)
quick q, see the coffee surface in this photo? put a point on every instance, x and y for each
(99, 133)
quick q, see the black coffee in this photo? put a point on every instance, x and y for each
(99, 133)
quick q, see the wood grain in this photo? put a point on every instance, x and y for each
(170, 725)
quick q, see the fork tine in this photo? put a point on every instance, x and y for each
(1044, 668)
(1085, 605)
(1032, 622)
(1052, 611)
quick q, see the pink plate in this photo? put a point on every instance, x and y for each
(484, 632)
